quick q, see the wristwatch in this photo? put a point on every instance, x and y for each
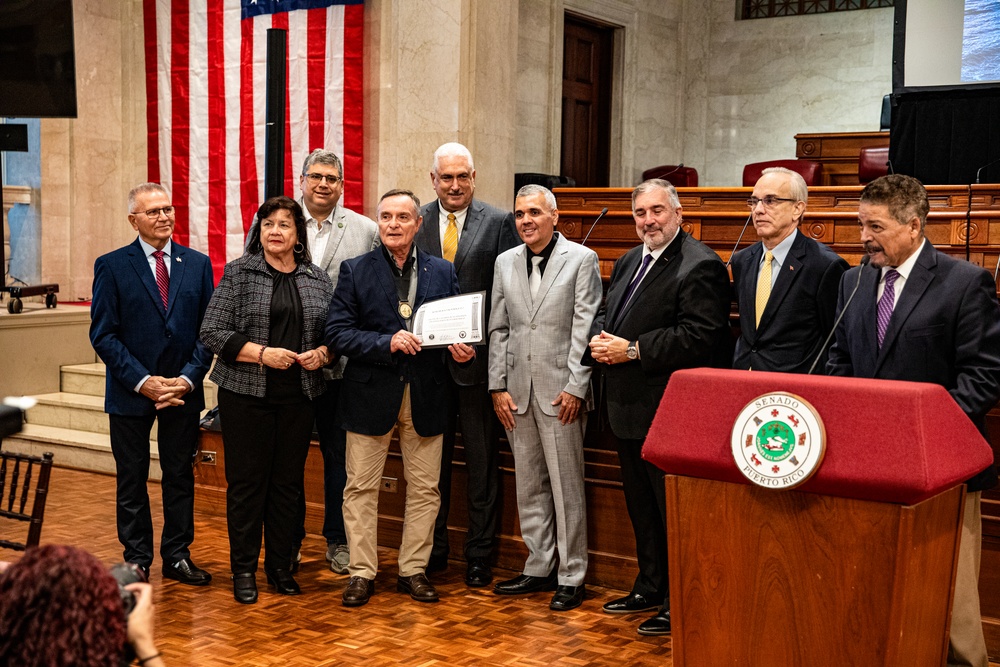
(633, 350)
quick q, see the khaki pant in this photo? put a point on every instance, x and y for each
(967, 645)
(421, 469)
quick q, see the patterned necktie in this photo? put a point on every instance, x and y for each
(764, 286)
(162, 277)
(450, 246)
(535, 279)
(646, 261)
(886, 303)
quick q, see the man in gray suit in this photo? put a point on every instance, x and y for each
(545, 296)
(470, 234)
(335, 234)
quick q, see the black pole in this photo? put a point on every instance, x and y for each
(274, 113)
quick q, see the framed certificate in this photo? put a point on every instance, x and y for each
(455, 319)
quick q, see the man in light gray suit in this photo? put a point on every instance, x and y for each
(335, 234)
(545, 296)
(470, 234)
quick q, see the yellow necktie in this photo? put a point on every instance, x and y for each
(450, 239)
(764, 285)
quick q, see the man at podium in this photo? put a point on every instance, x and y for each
(922, 316)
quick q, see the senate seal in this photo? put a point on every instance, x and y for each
(404, 310)
(778, 440)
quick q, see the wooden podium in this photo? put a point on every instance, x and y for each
(854, 567)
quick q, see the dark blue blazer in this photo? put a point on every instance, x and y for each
(134, 336)
(364, 315)
(799, 313)
(945, 329)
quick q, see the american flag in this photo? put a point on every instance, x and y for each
(205, 63)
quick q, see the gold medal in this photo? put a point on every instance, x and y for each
(405, 310)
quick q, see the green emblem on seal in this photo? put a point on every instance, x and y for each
(775, 441)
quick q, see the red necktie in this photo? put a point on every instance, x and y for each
(162, 277)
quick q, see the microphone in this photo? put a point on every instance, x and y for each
(664, 176)
(980, 170)
(740, 238)
(596, 220)
(888, 164)
(836, 323)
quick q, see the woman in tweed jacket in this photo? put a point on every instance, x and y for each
(265, 322)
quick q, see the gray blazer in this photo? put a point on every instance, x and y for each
(240, 311)
(541, 344)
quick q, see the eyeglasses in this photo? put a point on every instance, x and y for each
(769, 201)
(462, 179)
(316, 179)
(154, 213)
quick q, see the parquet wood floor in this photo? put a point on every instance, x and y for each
(207, 628)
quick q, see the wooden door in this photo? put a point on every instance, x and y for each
(586, 101)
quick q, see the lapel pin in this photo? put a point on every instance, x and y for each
(177, 259)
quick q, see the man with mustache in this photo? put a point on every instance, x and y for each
(922, 316)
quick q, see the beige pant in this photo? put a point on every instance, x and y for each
(967, 645)
(421, 468)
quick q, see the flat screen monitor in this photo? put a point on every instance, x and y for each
(37, 63)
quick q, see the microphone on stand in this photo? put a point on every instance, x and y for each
(840, 316)
(675, 169)
(596, 220)
(979, 171)
(740, 238)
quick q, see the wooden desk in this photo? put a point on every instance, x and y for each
(838, 152)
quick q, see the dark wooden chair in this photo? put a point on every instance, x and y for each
(17, 472)
(812, 172)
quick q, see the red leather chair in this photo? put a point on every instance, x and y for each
(679, 176)
(811, 171)
(872, 163)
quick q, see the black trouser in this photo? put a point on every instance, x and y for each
(177, 437)
(480, 428)
(646, 503)
(266, 446)
(333, 445)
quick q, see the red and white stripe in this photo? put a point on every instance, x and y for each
(206, 100)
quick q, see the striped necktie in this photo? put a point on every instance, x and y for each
(162, 277)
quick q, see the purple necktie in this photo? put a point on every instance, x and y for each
(885, 304)
(162, 277)
(631, 287)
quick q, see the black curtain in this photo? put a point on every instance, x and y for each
(944, 137)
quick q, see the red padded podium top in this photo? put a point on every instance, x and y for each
(889, 441)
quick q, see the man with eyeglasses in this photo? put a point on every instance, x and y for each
(667, 308)
(335, 234)
(470, 234)
(786, 283)
(148, 303)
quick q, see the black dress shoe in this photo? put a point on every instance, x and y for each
(630, 604)
(282, 581)
(293, 567)
(525, 583)
(417, 587)
(187, 572)
(568, 597)
(245, 587)
(144, 568)
(478, 573)
(436, 563)
(656, 626)
(359, 590)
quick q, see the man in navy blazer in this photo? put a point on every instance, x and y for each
(390, 380)
(922, 316)
(149, 300)
(470, 234)
(797, 305)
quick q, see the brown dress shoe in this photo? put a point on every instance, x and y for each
(359, 590)
(417, 587)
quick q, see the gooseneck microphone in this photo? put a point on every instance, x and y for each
(596, 220)
(840, 316)
(740, 238)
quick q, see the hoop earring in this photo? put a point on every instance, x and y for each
(299, 248)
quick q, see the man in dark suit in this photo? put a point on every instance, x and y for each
(470, 234)
(667, 308)
(391, 381)
(149, 300)
(922, 316)
(786, 284)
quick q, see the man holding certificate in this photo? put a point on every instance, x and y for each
(546, 293)
(391, 380)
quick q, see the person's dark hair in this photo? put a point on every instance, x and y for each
(60, 606)
(904, 196)
(270, 206)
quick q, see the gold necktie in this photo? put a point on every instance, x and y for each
(764, 285)
(450, 239)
